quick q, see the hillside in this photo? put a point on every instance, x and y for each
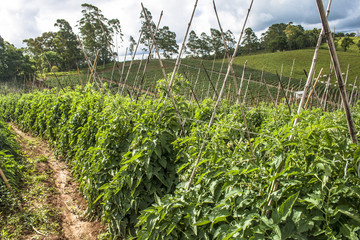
(194, 72)
(272, 62)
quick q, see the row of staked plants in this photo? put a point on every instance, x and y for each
(12, 164)
(133, 163)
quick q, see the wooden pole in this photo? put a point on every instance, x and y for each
(247, 87)
(177, 63)
(312, 90)
(291, 73)
(218, 79)
(219, 100)
(163, 70)
(131, 63)
(338, 73)
(241, 83)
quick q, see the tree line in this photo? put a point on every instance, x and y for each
(64, 50)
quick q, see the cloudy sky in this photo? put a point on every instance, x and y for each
(22, 19)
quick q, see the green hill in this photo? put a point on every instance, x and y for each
(272, 62)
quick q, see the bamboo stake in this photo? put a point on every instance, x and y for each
(137, 73)
(291, 73)
(282, 88)
(312, 68)
(194, 89)
(327, 87)
(278, 93)
(352, 92)
(337, 67)
(310, 94)
(261, 80)
(269, 93)
(219, 100)
(47, 60)
(150, 49)
(88, 63)
(93, 66)
(241, 83)
(247, 87)
(227, 53)
(123, 66)
(182, 47)
(209, 78)
(82, 85)
(218, 79)
(163, 70)
(131, 63)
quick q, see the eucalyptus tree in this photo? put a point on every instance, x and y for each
(98, 33)
(165, 39)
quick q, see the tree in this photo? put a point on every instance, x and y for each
(216, 42)
(275, 38)
(193, 44)
(165, 39)
(13, 62)
(40, 45)
(67, 45)
(295, 37)
(97, 32)
(205, 45)
(250, 42)
(346, 42)
(132, 45)
(358, 45)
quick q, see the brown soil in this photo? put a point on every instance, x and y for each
(66, 198)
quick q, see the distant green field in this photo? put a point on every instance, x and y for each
(272, 62)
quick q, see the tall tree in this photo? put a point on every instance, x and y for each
(292, 33)
(39, 46)
(13, 62)
(67, 45)
(216, 42)
(132, 45)
(98, 33)
(165, 39)
(346, 42)
(250, 42)
(193, 44)
(275, 38)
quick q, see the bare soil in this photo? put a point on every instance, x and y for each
(65, 198)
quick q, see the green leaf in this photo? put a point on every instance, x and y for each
(286, 207)
(345, 210)
(202, 222)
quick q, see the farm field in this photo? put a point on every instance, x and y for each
(253, 90)
(219, 136)
(133, 163)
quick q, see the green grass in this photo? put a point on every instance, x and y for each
(272, 62)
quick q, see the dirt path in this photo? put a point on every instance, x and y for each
(66, 198)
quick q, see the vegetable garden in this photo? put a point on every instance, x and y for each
(134, 162)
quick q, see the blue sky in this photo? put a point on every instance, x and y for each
(22, 19)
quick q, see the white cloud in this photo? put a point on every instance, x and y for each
(22, 19)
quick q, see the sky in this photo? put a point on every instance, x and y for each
(23, 19)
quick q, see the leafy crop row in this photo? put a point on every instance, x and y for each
(12, 165)
(133, 164)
